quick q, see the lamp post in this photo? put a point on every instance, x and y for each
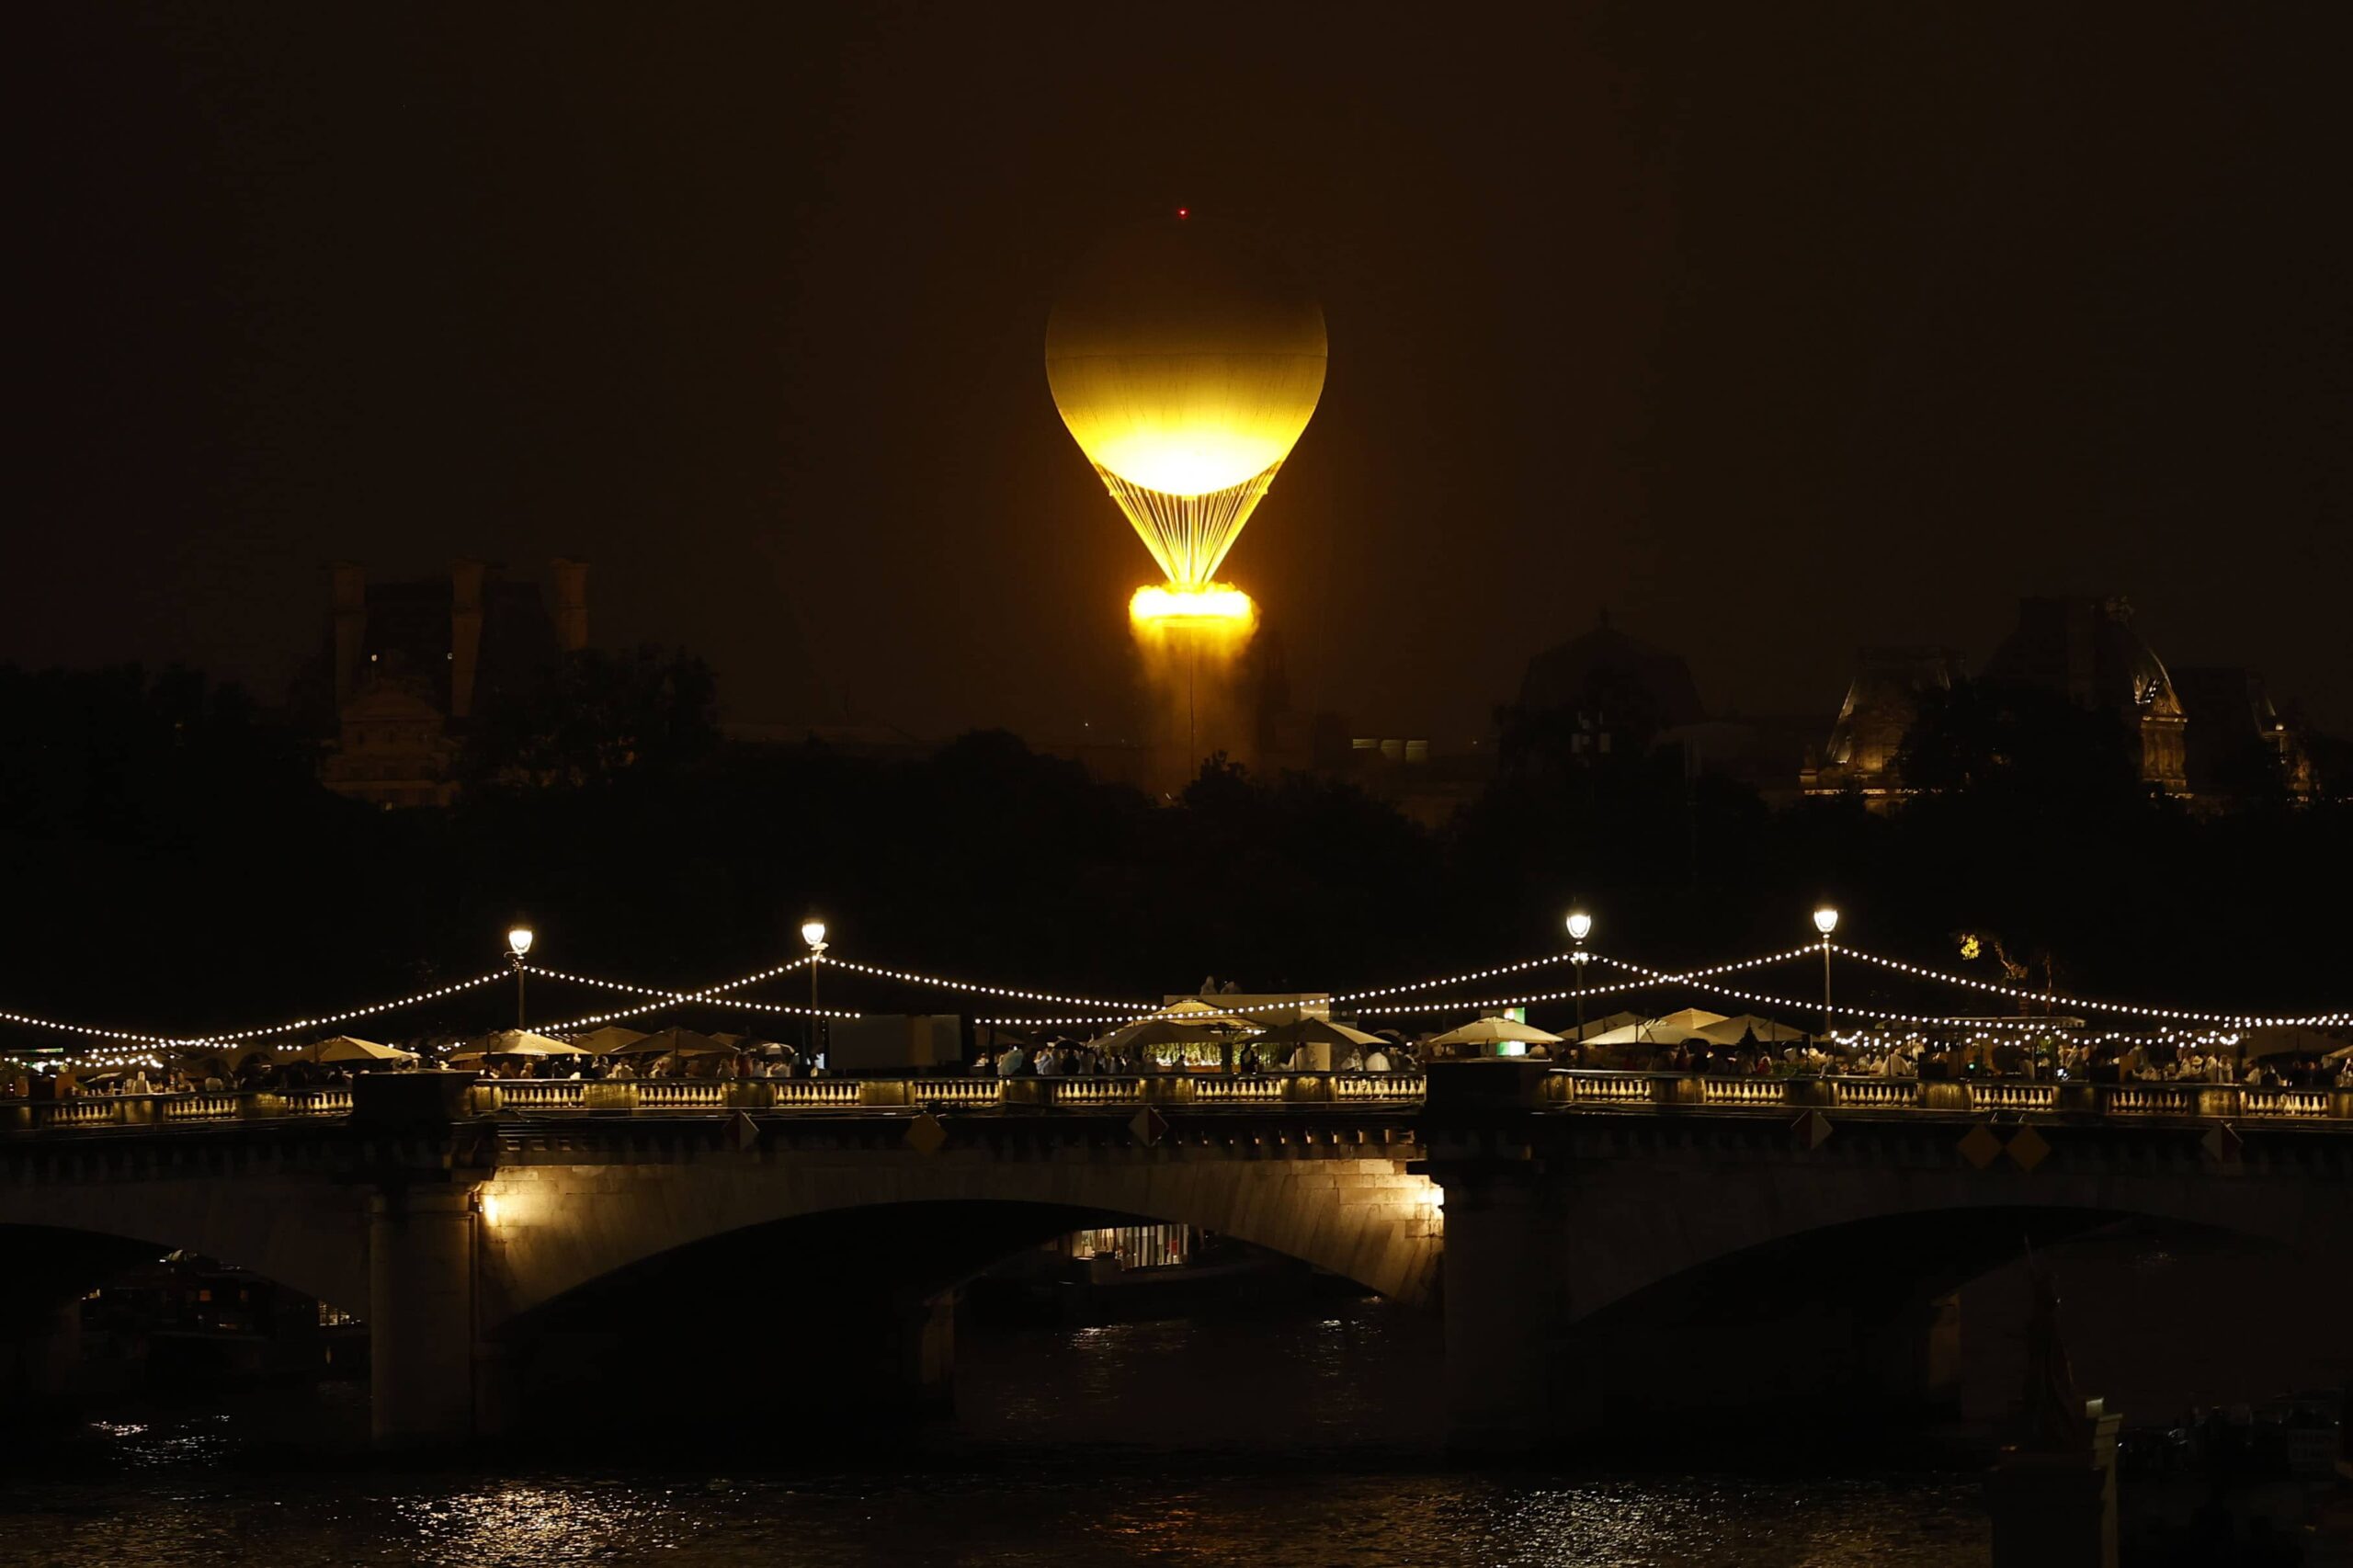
(1826, 920)
(812, 931)
(519, 943)
(1580, 927)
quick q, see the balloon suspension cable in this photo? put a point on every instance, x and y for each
(1189, 535)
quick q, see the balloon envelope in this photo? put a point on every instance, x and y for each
(1185, 357)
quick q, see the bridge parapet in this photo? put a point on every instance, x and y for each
(153, 1110)
(1648, 1090)
(1557, 1090)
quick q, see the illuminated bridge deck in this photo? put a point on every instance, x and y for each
(1563, 1091)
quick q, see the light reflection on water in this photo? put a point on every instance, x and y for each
(1291, 1442)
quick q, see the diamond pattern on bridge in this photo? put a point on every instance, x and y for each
(926, 1134)
(1980, 1145)
(2030, 1148)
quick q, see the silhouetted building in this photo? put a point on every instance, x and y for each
(2237, 742)
(1620, 690)
(1882, 702)
(414, 662)
(2086, 650)
(1603, 693)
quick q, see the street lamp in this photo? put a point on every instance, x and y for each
(1580, 927)
(519, 943)
(1826, 920)
(812, 931)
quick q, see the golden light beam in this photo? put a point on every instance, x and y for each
(1215, 604)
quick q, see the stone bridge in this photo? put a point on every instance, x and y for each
(1576, 1226)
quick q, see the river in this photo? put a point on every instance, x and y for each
(1298, 1437)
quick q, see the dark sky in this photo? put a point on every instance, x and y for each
(1775, 329)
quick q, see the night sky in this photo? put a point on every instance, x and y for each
(1775, 330)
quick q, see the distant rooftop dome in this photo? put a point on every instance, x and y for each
(2087, 650)
(1605, 669)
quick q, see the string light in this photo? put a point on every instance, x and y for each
(979, 990)
(1135, 1012)
(238, 1035)
(660, 990)
(2237, 1020)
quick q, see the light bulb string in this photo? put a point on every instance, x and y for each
(1133, 1012)
(236, 1037)
(975, 988)
(1180, 1009)
(2185, 1015)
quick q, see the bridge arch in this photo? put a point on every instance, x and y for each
(304, 1236)
(1631, 1229)
(553, 1230)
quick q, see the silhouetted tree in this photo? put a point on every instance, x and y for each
(595, 717)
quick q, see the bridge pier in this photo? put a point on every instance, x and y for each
(916, 1355)
(1506, 1391)
(421, 1315)
(40, 1355)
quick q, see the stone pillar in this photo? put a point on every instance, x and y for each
(2053, 1510)
(421, 1314)
(40, 1353)
(571, 605)
(350, 599)
(466, 579)
(924, 1363)
(1503, 1283)
(1505, 1392)
(1911, 1350)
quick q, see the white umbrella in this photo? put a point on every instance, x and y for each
(1164, 1031)
(677, 1042)
(347, 1048)
(1595, 1029)
(1728, 1031)
(1675, 1027)
(1322, 1031)
(606, 1040)
(1685, 1023)
(515, 1042)
(2275, 1040)
(1494, 1032)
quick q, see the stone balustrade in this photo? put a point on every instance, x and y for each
(148, 1110)
(1974, 1096)
(1565, 1089)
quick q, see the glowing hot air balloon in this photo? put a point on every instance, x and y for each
(1187, 362)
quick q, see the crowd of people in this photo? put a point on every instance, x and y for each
(1098, 1058)
(756, 1062)
(2048, 1059)
(1094, 1059)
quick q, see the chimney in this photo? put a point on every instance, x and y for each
(349, 594)
(571, 605)
(465, 634)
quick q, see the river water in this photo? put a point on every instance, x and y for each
(1294, 1438)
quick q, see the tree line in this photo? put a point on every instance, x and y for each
(171, 861)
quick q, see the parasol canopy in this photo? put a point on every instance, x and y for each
(608, 1039)
(677, 1042)
(1165, 1032)
(347, 1048)
(514, 1042)
(1495, 1032)
(1728, 1031)
(1675, 1027)
(2287, 1040)
(1319, 1032)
